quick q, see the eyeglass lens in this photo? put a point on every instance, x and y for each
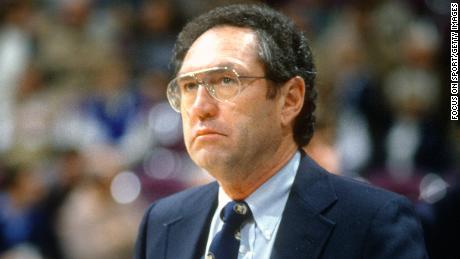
(221, 83)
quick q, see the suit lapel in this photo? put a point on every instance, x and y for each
(187, 234)
(303, 231)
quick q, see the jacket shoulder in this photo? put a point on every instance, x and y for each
(190, 199)
(347, 188)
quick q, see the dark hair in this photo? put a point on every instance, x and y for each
(283, 49)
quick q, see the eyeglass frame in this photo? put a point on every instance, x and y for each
(170, 92)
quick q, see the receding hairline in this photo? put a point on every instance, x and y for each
(257, 47)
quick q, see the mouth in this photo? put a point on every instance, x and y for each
(207, 132)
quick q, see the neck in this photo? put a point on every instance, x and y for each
(239, 188)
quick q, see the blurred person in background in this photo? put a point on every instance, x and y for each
(246, 93)
(92, 224)
(68, 50)
(31, 201)
(151, 39)
(15, 53)
(21, 191)
(345, 77)
(115, 111)
(412, 91)
(67, 172)
(36, 109)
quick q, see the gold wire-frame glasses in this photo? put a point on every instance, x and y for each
(222, 83)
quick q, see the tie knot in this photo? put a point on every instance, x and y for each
(235, 213)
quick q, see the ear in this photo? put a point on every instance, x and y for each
(293, 95)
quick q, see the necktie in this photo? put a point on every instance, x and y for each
(226, 242)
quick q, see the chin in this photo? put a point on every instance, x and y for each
(209, 159)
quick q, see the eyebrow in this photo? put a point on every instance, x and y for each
(238, 68)
(229, 65)
(226, 64)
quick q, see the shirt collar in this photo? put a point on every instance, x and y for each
(268, 201)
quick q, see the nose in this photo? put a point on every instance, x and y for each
(204, 105)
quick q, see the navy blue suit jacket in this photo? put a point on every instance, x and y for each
(326, 216)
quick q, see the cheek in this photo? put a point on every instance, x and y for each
(252, 125)
(186, 131)
(264, 112)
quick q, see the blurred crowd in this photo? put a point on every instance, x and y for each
(87, 138)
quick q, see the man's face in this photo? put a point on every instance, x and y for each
(233, 135)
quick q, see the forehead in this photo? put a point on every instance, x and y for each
(222, 46)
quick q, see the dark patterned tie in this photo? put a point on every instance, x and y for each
(226, 242)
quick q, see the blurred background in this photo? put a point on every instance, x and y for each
(88, 140)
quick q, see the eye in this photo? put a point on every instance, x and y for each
(189, 87)
(227, 81)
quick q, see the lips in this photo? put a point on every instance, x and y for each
(207, 131)
(203, 132)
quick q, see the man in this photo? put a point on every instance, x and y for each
(245, 91)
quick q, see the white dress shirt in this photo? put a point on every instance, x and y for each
(267, 205)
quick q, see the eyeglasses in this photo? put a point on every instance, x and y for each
(222, 83)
